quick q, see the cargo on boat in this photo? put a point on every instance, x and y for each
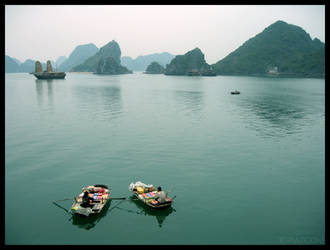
(98, 194)
(147, 194)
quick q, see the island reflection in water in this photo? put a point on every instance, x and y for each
(190, 103)
(102, 102)
(277, 115)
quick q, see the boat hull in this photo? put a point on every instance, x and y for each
(50, 75)
(97, 205)
(149, 204)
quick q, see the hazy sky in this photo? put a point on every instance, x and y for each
(42, 32)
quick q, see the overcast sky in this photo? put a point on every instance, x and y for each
(42, 32)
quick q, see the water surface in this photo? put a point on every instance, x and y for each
(246, 169)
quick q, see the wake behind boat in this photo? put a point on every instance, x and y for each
(98, 194)
(147, 194)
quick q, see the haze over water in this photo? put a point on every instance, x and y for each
(246, 169)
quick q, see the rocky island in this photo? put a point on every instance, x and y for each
(155, 68)
(78, 56)
(281, 49)
(192, 63)
(105, 61)
(141, 62)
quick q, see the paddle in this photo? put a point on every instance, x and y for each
(128, 210)
(123, 198)
(116, 205)
(66, 199)
(68, 211)
(169, 191)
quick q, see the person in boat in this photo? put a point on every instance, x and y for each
(160, 196)
(86, 200)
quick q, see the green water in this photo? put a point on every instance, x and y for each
(246, 169)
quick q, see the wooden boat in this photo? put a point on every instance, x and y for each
(47, 74)
(209, 73)
(236, 92)
(193, 72)
(99, 193)
(147, 194)
(88, 222)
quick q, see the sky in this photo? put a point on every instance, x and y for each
(45, 32)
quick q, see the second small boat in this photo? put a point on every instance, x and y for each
(147, 193)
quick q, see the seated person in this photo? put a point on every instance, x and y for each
(160, 196)
(86, 200)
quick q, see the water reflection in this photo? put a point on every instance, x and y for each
(278, 115)
(40, 89)
(159, 214)
(90, 221)
(100, 102)
(191, 103)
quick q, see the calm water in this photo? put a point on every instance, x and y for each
(246, 169)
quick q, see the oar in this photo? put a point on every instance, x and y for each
(116, 205)
(123, 198)
(128, 210)
(66, 199)
(68, 211)
(169, 191)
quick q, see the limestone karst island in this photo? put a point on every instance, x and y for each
(280, 50)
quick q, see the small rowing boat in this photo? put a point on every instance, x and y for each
(100, 195)
(236, 92)
(147, 193)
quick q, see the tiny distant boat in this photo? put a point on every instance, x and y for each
(209, 72)
(193, 72)
(146, 194)
(100, 195)
(48, 74)
(236, 92)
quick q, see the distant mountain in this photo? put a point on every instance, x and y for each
(11, 66)
(60, 60)
(155, 68)
(78, 56)
(142, 62)
(281, 49)
(16, 60)
(28, 66)
(105, 61)
(193, 62)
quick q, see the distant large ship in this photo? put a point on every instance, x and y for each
(47, 74)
